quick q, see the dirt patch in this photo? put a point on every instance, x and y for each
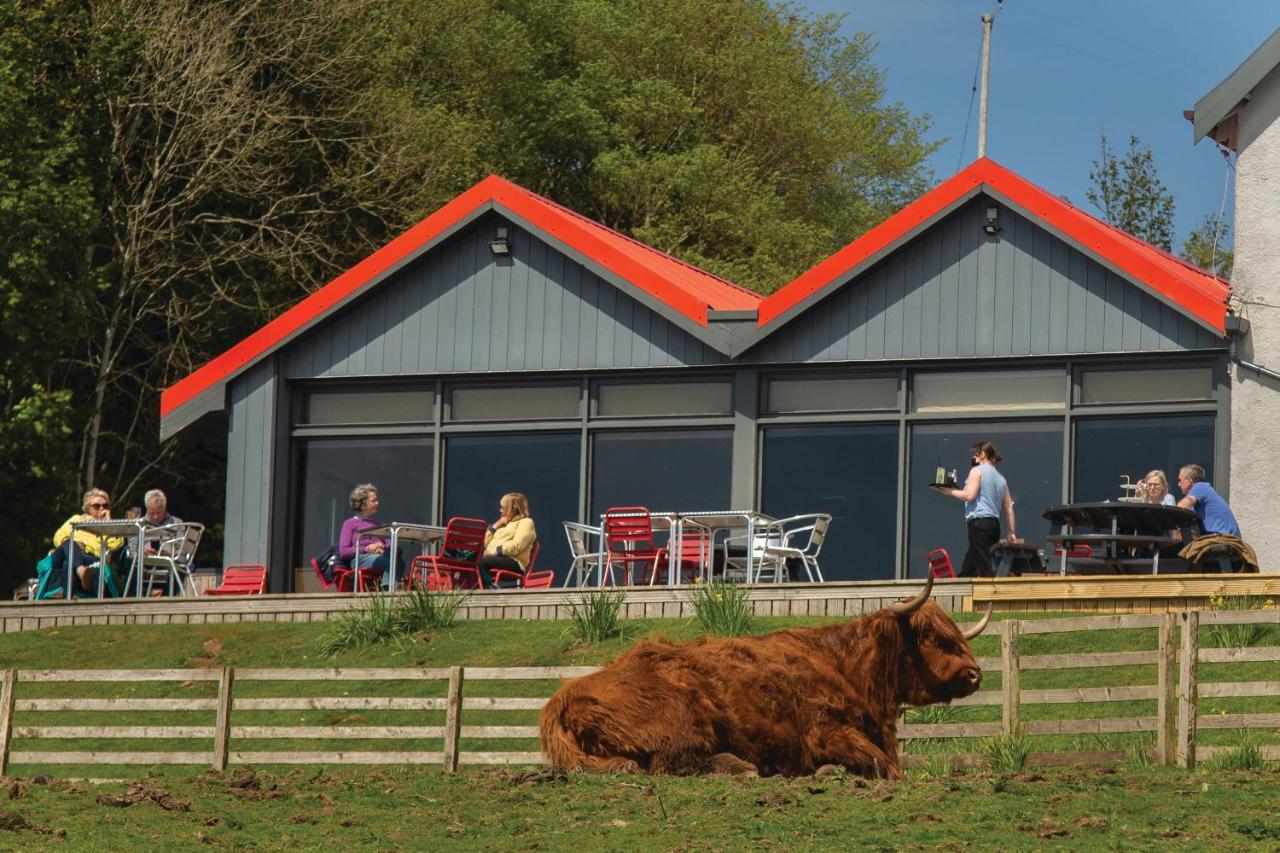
(1093, 823)
(248, 785)
(548, 776)
(212, 656)
(17, 790)
(140, 792)
(14, 822)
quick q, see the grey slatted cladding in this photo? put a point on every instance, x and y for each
(250, 450)
(954, 292)
(459, 309)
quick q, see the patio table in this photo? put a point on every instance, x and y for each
(1117, 526)
(104, 527)
(716, 521)
(423, 534)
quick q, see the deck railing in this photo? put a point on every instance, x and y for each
(223, 716)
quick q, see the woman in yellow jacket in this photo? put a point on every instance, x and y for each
(509, 540)
(88, 548)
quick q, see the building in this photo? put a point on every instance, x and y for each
(1240, 114)
(506, 342)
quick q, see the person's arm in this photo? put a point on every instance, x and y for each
(970, 490)
(523, 537)
(60, 538)
(1187, 502)
(1008, 514)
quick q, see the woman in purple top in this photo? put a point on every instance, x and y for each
(364, 500)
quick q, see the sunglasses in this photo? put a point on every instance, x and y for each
(99, 506)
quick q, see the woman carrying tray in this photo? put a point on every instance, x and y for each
(986, 496)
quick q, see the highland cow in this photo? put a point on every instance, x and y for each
(784, 703)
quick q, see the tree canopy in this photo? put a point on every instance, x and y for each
(1130, 195)
(174, 172)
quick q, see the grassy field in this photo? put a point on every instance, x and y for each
(1133, 805)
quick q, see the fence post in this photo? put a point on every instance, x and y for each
(453, 720)
(6, 718)
(1166, 690)
(1188, 690)
(222, 724)
(1009, 664)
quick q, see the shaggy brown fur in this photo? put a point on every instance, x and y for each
(786, 703)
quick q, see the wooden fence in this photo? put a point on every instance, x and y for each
(1176, 690)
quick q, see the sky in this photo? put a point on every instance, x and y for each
(1064, 72)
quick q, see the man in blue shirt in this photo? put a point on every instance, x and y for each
(1215, 515)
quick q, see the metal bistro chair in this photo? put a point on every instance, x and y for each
(174, 558)
(457, 561)
(783, 544)
(940, 564)
(241, 579)
(507, 579)
(695, 553)
(628, 537)
(585, 558)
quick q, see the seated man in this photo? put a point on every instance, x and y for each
(1215, 515)
(157, 515)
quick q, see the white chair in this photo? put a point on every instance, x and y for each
(740, 567)
(174, 558)
(585, 560)
(801, 539)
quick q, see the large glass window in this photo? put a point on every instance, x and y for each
(989, 391)
(831, 394)
(1032, 466)
(645, 399)
(330, 468)
(513, 403)
(368, 407)
(480, 469)
(1107, 448)
(661, 469)
(849, 471)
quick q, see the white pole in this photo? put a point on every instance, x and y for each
(987, 20)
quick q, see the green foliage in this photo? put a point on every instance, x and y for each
(1208, 246)
(1237, 636)
(1007, 753)
(723, 609)
(1245, 755)
(1130, 194)
(1257, 829)
(387, 619)
(597, 616)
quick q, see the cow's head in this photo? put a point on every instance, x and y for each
(937, 665)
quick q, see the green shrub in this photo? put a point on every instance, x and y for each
(597, 616)
(422, 610)
(722, 609)
(1237, 636)
(385, 618)
(1246, 756)
(1007, 752)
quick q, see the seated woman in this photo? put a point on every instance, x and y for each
(364, 500)
(1155, 488)
(87, 549)
(509, 540)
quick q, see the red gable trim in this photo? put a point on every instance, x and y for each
(681, 286)
(1199, 294)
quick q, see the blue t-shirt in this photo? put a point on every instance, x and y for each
(1215, 515)
(990, 497)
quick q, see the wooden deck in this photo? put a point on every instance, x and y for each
(1098, 594)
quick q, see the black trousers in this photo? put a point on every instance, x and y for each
(496, 561)
(983, 533)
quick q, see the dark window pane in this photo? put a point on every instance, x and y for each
(480, 469)
(368, 407)
(330, 468)
(526, 403)
(1032, 466)
(832, 394)
(645, 399)
(663, 470)
(1106, 448)
(850, 472)
(1154, 385)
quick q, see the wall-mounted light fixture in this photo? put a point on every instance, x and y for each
(501, 243)
(993, 221)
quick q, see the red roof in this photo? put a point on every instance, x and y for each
(685, 288)
(1200, 294)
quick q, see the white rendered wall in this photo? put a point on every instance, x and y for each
(1255, 284)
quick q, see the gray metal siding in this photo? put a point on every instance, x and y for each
(954, 292)
(250, 447)
(462, 310)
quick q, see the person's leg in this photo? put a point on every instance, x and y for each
(969, 568)
(496, 561)
(379, 562)
(986, 532)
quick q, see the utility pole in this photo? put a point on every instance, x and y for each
(987, 20)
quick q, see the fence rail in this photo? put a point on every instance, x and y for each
(1176, 691)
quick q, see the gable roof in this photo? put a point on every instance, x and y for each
(680, 290)
(1229, 95)
(1189, 289)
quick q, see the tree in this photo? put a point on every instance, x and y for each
(1130, 195)
(1208, 246)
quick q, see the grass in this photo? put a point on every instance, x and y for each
(722, 609)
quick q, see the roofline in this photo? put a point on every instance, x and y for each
(1226, 97)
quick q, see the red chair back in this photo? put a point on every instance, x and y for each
(533, 556)
(315, 564)
(243, 579)
(538, 580)
(628, 536)
(1082, 551)
(457, 562)
(940, 564)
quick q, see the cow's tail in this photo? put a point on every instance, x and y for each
(569, 728)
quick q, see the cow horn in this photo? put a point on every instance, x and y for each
(970, 633)
(902, 608)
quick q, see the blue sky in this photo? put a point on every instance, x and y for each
(1063, 72)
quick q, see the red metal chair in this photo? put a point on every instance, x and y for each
(695, 554)
(344, 577)
(538, 580)
(513, 579)
(628, 536)
(940, 564)
(242, 579)
(458, 558)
